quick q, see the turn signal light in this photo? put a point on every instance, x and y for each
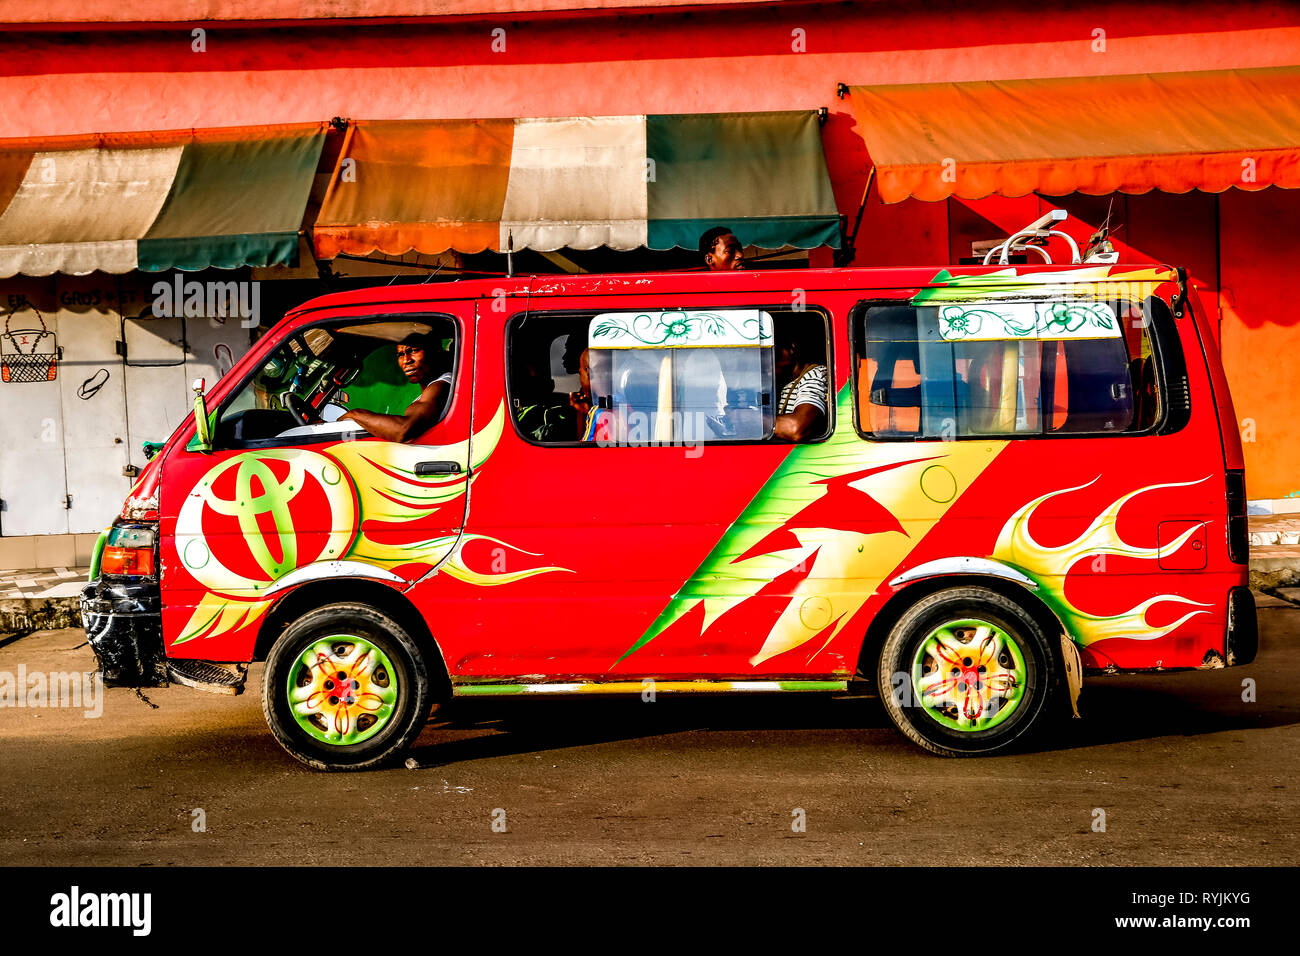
(136, 562)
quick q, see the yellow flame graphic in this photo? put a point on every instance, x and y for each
(1049, 566)
(458, 569)
(216, 614)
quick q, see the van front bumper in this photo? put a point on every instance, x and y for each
(123, 621)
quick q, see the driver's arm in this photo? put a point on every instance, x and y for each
(419, 416)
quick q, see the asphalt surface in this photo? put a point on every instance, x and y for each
(1185, 771)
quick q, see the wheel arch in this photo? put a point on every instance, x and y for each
(383, 597)
(916, 590)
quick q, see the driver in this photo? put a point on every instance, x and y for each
(414, 357)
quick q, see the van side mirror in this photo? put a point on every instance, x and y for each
(202, 428)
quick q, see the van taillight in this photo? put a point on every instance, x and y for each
(1238, 531)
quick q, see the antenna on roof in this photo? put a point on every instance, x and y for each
(510, 254)
(1100, 248)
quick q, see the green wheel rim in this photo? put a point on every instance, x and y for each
(342, 690)
(969, 675)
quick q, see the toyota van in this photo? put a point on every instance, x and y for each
(959, 489)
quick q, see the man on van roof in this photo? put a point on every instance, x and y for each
(721, 250)
(415, 356)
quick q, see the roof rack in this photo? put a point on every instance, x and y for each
(1034, 236)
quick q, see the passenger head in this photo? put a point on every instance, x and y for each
(798, 342)
(721, 250)
(415, 355)
(575, 343)
(533, 382)
(584, 372)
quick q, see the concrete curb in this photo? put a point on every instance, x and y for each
(1262, 579)
(21, 615)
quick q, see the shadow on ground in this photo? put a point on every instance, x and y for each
(1114, 709)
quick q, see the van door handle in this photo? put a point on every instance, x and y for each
(437, 468)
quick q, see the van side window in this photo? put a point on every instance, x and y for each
(320, 373)
(1003, 368)
(669, 376)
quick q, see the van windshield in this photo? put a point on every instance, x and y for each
(318, 374)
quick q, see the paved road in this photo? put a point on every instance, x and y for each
(1184, 769)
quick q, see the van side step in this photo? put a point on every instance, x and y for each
(208, 676)
(485, 689)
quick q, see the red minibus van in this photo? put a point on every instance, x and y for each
(964, 487)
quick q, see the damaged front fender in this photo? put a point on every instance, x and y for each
(123, 622)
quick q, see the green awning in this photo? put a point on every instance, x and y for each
(198, 199)
(762, 174)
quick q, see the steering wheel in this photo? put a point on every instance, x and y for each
(297, 408)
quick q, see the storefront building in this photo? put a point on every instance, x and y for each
(175, 176)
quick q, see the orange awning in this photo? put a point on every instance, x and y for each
(1169, 131)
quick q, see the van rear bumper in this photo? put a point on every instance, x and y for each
(123, 622)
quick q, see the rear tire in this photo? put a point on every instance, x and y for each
(346, 688)
(967, 672)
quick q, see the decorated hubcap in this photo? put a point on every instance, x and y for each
(342, 690)
(968, 675)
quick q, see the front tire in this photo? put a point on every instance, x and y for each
(967, 672)
(346, 688)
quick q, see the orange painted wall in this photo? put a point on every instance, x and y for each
(1261, 333)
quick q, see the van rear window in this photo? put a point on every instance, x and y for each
(1009, 369)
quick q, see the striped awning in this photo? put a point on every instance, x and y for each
(197, 199)
(625, 182)
(1174, 132)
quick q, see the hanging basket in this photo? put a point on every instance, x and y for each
(28, 355)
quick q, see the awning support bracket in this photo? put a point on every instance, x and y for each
(845, 254)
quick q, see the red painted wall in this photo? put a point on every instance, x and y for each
(735, 58)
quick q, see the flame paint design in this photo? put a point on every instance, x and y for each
(819, 537)
(217, 614)
(1048, 567)
(371, 487)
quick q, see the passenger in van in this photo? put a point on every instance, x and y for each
(801, 411)
(593, 422)
(416, 355)
(542, 413)
(721, 250)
